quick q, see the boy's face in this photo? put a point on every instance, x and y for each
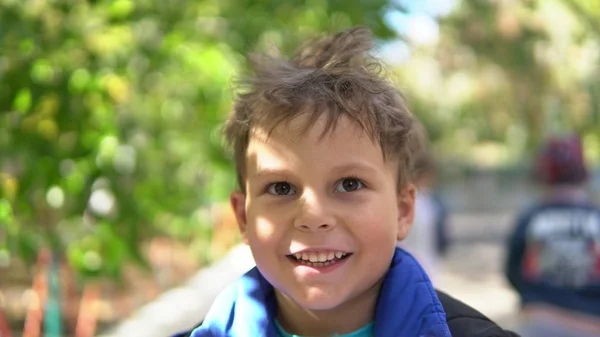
(333, 201)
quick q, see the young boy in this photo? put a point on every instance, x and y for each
(554, 253)
(322, 148)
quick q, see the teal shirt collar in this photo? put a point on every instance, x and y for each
(365, 331)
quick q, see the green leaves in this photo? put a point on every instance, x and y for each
(22, 102)
(7, 220)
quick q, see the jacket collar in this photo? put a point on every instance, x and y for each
(407, 306)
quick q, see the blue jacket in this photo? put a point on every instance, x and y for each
(407, 306)
(554, 256)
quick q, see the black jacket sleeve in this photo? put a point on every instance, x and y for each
(465, 321)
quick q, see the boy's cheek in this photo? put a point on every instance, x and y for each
(264, 229)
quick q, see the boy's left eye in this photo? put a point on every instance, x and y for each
(348, 185)
(281, 188)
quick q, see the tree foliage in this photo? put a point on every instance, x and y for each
(505, 74)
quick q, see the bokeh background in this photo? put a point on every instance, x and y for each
(113, 179)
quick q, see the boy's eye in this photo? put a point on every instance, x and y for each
(348, 185)
(281, 188)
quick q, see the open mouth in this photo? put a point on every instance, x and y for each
(318, 259)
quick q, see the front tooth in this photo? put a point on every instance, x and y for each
(322, 257)
(339, 255)
(298, 256)
(313, 257)
(305, 256)
(330, 256)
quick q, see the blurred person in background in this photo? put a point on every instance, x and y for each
(554, 252)
(428, 238)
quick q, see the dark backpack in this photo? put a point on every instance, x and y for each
(462, 320)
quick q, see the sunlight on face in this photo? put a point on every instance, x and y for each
(321, 195)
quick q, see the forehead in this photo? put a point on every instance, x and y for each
(296, 142)
(304, 127)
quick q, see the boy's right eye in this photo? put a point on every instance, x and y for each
(281, 188)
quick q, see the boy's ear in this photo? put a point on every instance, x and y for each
(238, 204)
(406, 211)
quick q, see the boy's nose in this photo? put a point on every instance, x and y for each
(314, 215)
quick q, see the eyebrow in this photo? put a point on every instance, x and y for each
(260, 173)
(361, 167)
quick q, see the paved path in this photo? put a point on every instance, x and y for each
(473, 269)
(473, 274)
